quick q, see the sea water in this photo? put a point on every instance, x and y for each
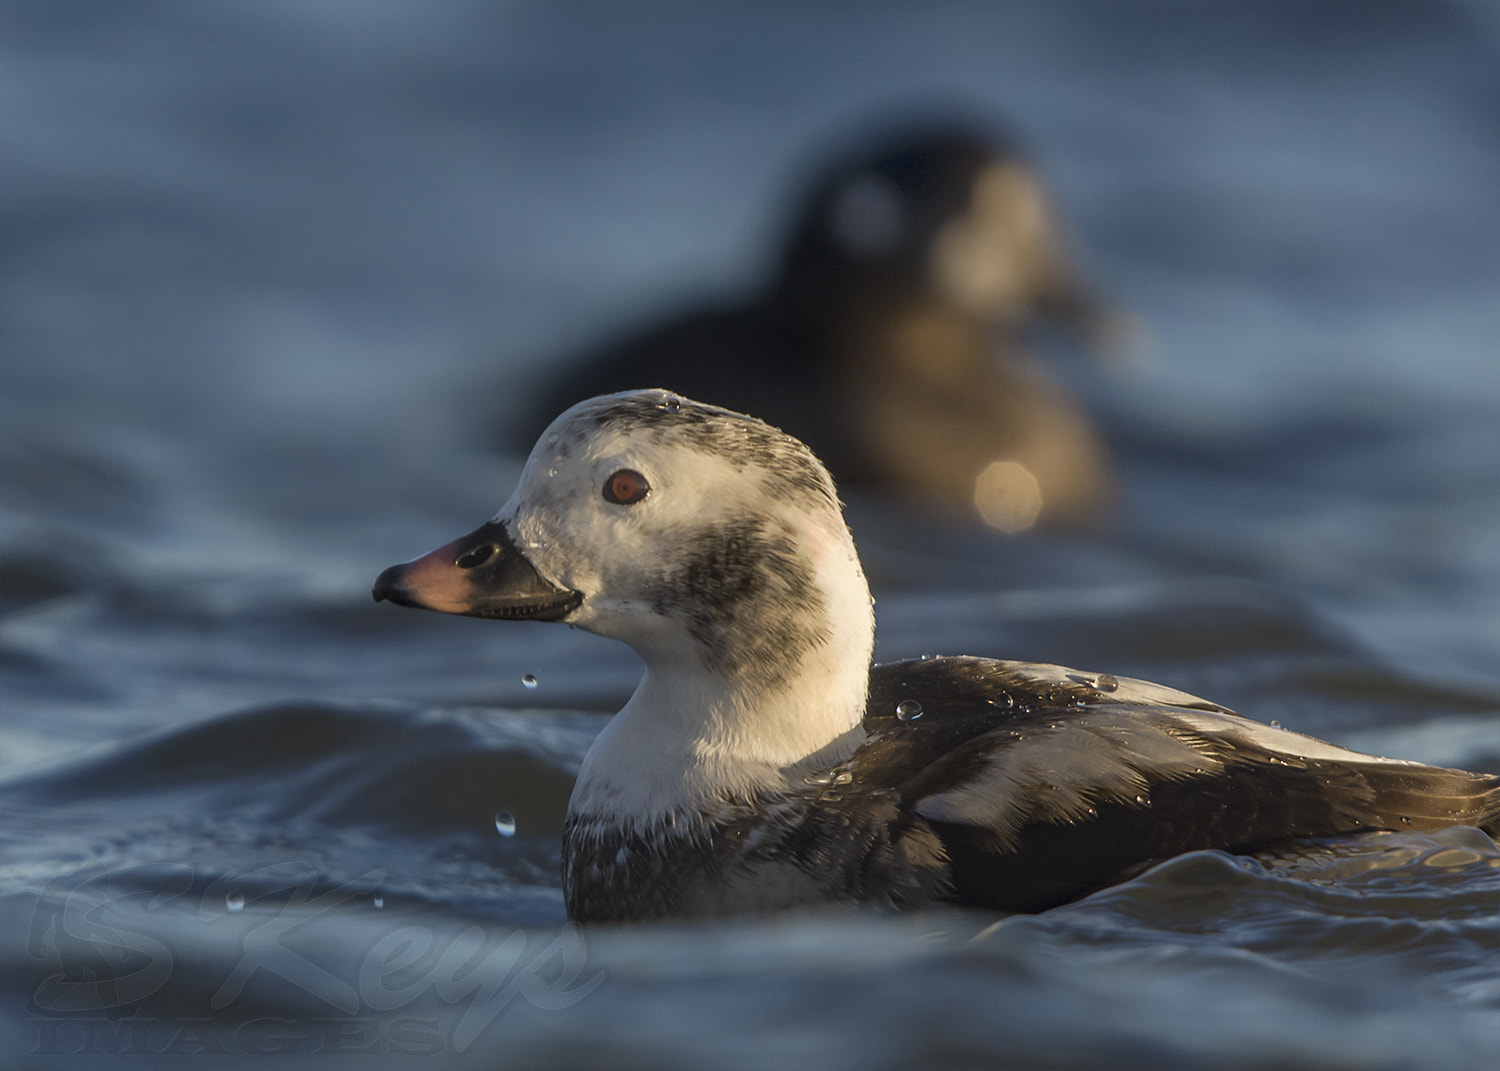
(272, 275)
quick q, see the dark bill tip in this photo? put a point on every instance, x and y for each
(483, 574)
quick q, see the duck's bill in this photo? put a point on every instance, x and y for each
(481, 575)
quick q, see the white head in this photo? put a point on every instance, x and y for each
(711, 543)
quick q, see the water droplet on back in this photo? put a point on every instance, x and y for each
(908, 710)
(529, 681)
(1004, 700)
(505, 823)
(1107, 682)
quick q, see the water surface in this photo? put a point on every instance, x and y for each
(272, 270)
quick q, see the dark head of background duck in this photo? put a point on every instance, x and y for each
(874, 219)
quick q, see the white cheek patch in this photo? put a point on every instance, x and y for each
(991, 259)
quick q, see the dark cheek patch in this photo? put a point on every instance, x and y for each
(749, 598)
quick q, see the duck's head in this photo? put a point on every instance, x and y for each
(957, 214)
(701, 537)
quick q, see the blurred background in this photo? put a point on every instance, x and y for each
(273, 274)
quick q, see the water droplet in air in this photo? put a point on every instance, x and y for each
(1004, 700)
(235, 901)
(505, 823)
(379, 902)
(529, 681)
(908, 710)
(1107, 682)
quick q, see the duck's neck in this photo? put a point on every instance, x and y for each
(692, 736)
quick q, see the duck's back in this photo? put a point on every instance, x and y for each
(1010, 786)
(1043, 783)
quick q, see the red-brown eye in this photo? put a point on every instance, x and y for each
(625, 487)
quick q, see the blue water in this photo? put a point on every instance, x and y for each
(270, 273)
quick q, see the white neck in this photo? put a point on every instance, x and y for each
(690, 737)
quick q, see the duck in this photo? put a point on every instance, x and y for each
(914, 265)
(763, 763)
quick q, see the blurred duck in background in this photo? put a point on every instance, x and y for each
(892, 337)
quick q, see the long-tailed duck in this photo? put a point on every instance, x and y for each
(763, 763)
(904, 286)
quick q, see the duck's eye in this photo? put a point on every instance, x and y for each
(476, 557)
(625, 487)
